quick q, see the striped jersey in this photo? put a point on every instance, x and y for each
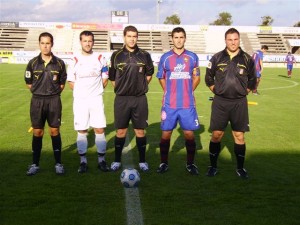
(290, 59)
(178, 70)
(257, 56)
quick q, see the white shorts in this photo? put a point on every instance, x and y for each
(89, 113)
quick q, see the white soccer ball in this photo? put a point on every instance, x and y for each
(130, 178)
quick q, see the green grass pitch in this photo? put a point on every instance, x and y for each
(270, 196)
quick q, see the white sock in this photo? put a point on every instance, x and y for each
(83, 159)
(82, 143)
(100, 142)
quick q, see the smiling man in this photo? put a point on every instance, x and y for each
(87, 77)
(230, 75)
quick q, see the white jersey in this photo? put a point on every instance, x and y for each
(87, 72)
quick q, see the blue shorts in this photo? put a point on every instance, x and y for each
(290, 67)
(258, 74)
(187, 118)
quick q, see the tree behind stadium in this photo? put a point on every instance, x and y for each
(224, 19)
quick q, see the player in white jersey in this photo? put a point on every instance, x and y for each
(88, 76)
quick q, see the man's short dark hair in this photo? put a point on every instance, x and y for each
(232, 31)
(86, 33)
(46, 34)
(178, 30)
(130, 28)
(265, 47)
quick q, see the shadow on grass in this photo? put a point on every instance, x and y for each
(50, 199)
(180, 141)
(284, 76)
(91, 139)
(227, 142)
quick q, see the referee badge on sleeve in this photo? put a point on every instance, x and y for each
(209, 65)
(27, 74)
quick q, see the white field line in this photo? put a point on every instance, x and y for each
(294, 84)
(133, 203)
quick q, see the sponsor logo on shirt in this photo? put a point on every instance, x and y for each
(179, 73)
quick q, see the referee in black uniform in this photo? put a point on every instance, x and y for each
(130, 72)
(230, 75)
(45, 76)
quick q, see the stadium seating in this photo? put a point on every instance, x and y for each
(13, 38)
(292, 36)
(250, 42)
(203, 42)
(150, 41)
(275, 42)
(195, 41)
(102, 42)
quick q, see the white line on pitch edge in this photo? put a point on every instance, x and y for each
(133, 202)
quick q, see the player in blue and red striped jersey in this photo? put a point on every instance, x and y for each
(258, 60)
(179, 75)
(290, 60)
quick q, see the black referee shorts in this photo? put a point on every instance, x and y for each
(234, 111)
(134, 108)
(44, 109)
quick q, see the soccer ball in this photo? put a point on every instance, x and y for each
(130, 178)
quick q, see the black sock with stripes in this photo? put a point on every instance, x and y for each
(119, 144)
(214, 151)
(56, 145)
(240, 151)
(141, 143)
(37, 143)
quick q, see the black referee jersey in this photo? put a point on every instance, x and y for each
(129, 70)
(231, 77)
(45, 78)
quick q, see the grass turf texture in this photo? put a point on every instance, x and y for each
(270, 196)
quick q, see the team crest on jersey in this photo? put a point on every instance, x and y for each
(27, 74)
(163, 115)
(209, 65)
(186, 59)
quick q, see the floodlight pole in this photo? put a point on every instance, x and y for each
(157, 10)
